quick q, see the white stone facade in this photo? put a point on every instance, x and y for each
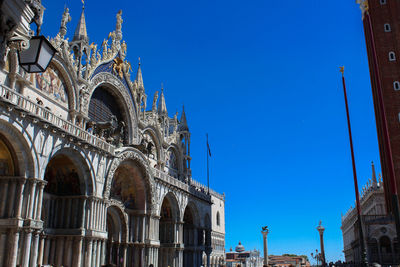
(79, 190)
(378, 228)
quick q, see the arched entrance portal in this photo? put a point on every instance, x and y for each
(128, 191)
(63, 210)
(169, 243)
(192, 237)
(116, 234)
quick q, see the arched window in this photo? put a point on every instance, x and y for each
(218, 219)
(396, 85)
(103, 106)
(392, 56)
(387, 27)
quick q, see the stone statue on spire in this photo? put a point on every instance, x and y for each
(155, 98)
(118, 26)
(64, 20)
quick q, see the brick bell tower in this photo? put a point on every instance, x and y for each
(381, 19)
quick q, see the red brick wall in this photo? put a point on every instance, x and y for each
(389, 71)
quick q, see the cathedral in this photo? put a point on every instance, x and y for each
(92, 173)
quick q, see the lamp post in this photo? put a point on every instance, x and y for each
(316, 256)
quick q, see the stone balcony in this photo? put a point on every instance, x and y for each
(79, 135)
(38, 112)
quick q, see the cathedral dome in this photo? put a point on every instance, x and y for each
(239, 248)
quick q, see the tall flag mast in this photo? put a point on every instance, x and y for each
(208, 169)
(360, 230)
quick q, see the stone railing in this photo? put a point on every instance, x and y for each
(170, 180)
(190, 188)
(36, 110)
(200, 187)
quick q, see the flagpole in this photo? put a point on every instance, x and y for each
(360, 230)
(208, 170)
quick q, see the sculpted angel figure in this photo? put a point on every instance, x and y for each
(123, 48)
(105, 47)
(65, 18)
(154, 106)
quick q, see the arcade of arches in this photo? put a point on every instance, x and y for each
(90, 174)
(71, 227)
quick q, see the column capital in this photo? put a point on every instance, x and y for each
(28, 230)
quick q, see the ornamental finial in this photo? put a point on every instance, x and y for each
(363, 6)
(341, 69)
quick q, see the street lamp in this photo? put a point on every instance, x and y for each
(38, 56)
(317, 256)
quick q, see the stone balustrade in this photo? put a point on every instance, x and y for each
(20, 102)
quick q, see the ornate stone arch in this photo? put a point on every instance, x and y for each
(60, 65)
(138, 158)
(118, 211)
(117, 88)
(81, 161)
(178, 154)
(195, 212)
(22, 144)
(155, 136)
(171, 196)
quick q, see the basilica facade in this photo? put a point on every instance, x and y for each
(91, 172)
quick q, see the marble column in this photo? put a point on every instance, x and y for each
(103, 252)
(88, 258)
(32, 198)
(20, 198)
(124, 248)
(41, 250)
(98, 253)
(27, 248)
(77, 259)
(35, 249)
(265, 232)
(10, 199)
(4, 194)
(60, 249)
(68, 251)
(13, 237)
(46, 259)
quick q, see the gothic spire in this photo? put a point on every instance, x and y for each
(162, 107)
(139, 78)
(183, 122)
(80, 31)
(374, 182)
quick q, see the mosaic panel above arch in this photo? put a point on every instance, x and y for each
(52, 84)
(142, 164)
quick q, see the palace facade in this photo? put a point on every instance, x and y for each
(89, 174)
(379, 229)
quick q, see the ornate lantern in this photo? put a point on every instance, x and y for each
(38, 56)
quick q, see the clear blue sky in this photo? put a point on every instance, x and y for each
(262, 78)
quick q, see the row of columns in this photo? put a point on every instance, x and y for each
(21, 198)
(96, 214)
(16, 191)
(64, 212)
